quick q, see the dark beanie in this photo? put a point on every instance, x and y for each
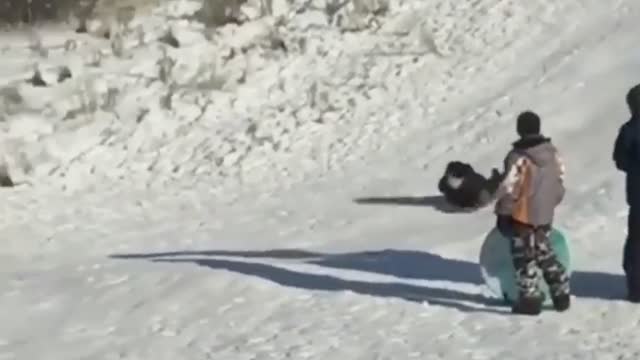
(528, 124)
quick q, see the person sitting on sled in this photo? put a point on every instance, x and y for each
(531, 189)
(463, 187)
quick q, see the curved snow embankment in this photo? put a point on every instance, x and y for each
(272, 100)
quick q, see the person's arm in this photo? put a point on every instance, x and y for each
(508, 189)
(622, 148)
(561, 171)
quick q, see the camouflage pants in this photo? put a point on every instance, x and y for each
(532, 254)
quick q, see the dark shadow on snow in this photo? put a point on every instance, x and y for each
(437, 202)
(301, 280)
(598, 285)
(397, 263)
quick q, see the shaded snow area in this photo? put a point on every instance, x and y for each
(276, 99)
(260, 182)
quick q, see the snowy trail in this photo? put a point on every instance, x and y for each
(195, 279)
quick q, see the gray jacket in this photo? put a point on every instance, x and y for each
(533, 182)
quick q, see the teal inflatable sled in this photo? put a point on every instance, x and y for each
(497, 268)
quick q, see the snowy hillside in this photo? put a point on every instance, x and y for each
(272, 101)
(192, 192)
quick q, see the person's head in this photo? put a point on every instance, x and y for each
(633, 101)
(528, 124)
(458, 169)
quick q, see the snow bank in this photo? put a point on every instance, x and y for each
(292, 89)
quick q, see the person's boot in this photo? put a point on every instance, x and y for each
(527, 305)
(561, 302)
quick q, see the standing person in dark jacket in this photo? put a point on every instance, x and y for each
(626, 155)
(531, 189)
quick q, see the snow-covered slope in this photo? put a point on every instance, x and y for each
(305, 270)
(273, 101)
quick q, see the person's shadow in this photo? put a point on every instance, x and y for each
(401, 264)
(437, 202)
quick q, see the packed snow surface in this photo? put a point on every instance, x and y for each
(267, 190)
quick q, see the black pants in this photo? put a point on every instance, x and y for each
(631, 254)
(532, 254)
